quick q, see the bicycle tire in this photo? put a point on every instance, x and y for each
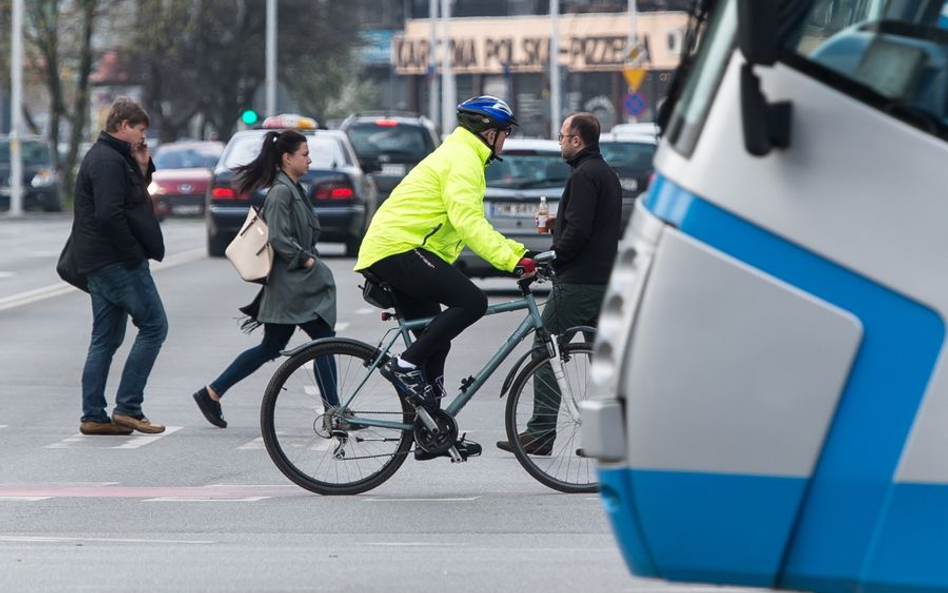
(291, 420)
(562, 468)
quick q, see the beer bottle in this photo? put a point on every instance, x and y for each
(543, 216)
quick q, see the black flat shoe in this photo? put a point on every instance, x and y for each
(210, 408)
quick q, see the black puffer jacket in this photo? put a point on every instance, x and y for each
(586, 236)
(115, 220)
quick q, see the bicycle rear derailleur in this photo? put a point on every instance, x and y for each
(436, 440)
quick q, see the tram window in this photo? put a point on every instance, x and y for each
(892, 54)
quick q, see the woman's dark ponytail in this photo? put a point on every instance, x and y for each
(261, 171)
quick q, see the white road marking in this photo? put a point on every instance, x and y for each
(254, 445)
(140, 440)
(61, 288)
(469, 499)
(415, 544)
(7, 274)
(342, 326)
(43, 254)
(132, 441)
(173, 499)
(365, 311)
(57, 540)
(23, 498)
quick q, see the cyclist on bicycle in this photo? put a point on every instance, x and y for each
(418, 233)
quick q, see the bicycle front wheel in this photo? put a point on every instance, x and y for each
(543, 426)
(331, 452)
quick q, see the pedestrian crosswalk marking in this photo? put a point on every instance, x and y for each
(132, 441)
(23, 498)
(174, 499)
(254, 445)
(56, 540)
(215, 493)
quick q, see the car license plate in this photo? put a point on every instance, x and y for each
(629, 183)
(518, 209)
(392, 169)
(186, 210)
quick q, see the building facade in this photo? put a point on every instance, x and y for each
(510, 57)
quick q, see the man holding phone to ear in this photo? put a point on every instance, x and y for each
(115, 233)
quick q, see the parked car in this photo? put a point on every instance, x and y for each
(182, 173)
(392, 143)
(631, 156)
(530, 169)
(41, 184)
(343, 195)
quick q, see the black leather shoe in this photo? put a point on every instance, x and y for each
(210, 408)
(532, 445)
(465, 449)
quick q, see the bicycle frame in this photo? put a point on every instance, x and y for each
(532, 322)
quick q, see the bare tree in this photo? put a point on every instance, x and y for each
(206, 57)
(59, 39)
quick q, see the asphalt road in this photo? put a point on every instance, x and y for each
(203, 509)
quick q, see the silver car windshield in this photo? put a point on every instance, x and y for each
(528, 169)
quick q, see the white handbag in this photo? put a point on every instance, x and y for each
(250, 251)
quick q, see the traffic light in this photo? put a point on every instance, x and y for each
(249, 117)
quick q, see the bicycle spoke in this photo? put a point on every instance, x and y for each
(304, 434)
(538, 409)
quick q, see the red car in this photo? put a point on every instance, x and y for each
(182, 173)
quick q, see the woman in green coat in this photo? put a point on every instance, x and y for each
(300, 291)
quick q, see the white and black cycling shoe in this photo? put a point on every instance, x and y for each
(410, 383)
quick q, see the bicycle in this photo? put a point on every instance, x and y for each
(359, 443)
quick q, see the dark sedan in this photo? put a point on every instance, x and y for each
(40, 181)
(344, 197)
(392, 144)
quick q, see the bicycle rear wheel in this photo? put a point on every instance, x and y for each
(340, 456)
(551, 442)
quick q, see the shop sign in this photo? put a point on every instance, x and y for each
(519, 44)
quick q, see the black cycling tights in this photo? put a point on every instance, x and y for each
(422, 282)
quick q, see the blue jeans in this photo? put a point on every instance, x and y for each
(117, 294)
(275, 338)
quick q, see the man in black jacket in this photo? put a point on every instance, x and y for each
(115, 233)
(585, 239)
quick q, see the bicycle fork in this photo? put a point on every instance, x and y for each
(559, 372)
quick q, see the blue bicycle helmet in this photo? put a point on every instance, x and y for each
(485, 113)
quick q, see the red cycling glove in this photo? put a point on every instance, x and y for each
(525, 266)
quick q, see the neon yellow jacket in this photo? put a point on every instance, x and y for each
(439, 205)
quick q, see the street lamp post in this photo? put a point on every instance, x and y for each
(271, 50)
(433, 62)
(448, 90)
(554, 68)
(16, 110)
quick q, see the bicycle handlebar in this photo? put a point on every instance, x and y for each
(544, 263)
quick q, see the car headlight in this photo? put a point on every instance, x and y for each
(154, 189)
(43, 178)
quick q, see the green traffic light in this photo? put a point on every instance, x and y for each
(249, 117)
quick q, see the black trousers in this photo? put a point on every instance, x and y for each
(423, 282)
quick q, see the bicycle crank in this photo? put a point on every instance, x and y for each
(439, 440)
